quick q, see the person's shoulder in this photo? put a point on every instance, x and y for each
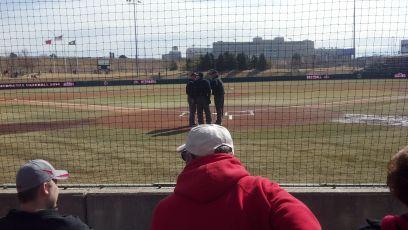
(260, 185)
(70, 222)
(75, 222)
(5, 221)
(255, 181)
(389, 218)
(219, 81)
(390, 222)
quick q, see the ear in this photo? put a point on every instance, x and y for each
(45, 189)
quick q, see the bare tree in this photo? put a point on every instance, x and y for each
(28, 62)
(12, 66)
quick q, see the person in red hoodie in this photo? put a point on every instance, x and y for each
(397, 181)
(215, 191)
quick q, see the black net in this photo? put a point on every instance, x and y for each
(315, 91)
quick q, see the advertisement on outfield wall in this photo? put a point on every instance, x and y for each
(75, 84)
(400, 75)
(404, 46)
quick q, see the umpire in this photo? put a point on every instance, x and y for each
(203, 99)
(217, 87)
(192, 98)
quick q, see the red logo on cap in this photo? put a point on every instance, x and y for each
(48, 171)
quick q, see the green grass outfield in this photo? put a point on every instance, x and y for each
(313, 153)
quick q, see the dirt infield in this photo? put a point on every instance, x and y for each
(245, 117)
(152, 120)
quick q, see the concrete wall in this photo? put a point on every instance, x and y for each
(125, 209)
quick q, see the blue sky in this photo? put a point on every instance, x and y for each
(103, 26)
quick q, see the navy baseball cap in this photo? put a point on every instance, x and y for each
(35, 172)
(213, 72)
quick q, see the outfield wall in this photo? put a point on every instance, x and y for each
(69, 84)
(126, 209)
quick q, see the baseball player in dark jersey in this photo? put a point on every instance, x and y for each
(192, 98)
(217, 87)
(203, 90)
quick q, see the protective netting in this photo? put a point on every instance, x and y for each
(316, 91)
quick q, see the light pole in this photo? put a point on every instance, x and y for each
(134, 3)
(354, 36)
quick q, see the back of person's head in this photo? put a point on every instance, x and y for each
(204, 140)
(213, 73)
(192, 76)
(200, 75)
(28, 195)
(33, 175)
(397, 178)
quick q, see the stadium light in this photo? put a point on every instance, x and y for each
(134, 3)
(354, 36)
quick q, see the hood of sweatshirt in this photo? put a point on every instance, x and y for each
(207, 178)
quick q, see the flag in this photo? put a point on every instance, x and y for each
(59, 38)
(72, 43)
(48, 42)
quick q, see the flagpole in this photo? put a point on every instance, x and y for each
(55, 55)
(76, 54)
(65, 58)
(354, 36)
(73, 43)
(50, 50)
(134, 3)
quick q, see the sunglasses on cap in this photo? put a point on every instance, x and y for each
(187, 156)
(184, 155)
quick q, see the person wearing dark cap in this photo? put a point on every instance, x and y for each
(191, 92)
(37, 192)
(215, 191)
(203, 90)
(217, 88)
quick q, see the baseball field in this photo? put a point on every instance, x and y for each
(308, 132)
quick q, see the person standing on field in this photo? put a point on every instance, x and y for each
(191, 92)
(217, 87)
(203, 90)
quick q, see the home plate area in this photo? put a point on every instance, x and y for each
(269, 116)
(227, 115)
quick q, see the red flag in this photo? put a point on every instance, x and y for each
(48, 42)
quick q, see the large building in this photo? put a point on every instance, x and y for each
(277, 48)
(173, 55)
(195, 53)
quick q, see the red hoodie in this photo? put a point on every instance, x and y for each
(216, 192)
(391, 222)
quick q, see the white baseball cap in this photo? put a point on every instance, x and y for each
(202, 140)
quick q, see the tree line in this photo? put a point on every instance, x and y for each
(227, 62)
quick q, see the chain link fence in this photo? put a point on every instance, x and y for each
(316, 91)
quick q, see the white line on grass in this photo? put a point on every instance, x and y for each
(80, 106)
